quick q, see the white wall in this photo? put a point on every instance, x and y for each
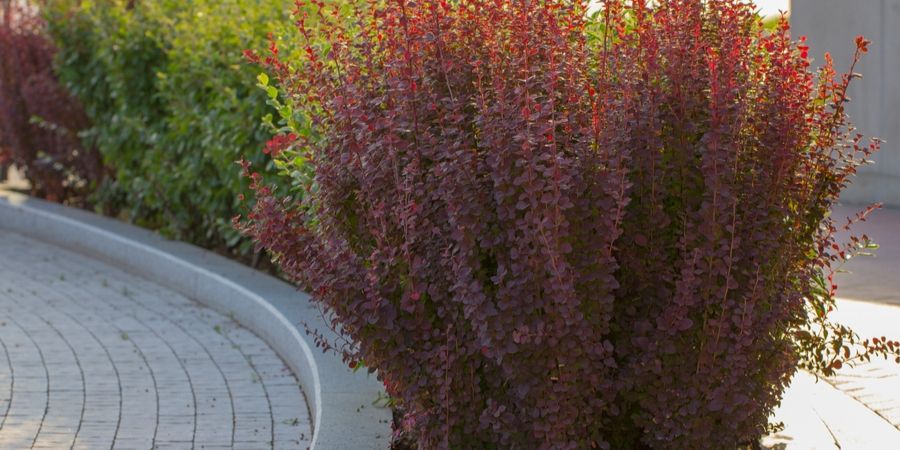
(832, 25)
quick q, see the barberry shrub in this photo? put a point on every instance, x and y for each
(551, 229)
(39, 121)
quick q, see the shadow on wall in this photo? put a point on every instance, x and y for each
(831, 26)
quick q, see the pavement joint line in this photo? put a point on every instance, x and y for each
(46, 376)
(12, 383)
(80, 372)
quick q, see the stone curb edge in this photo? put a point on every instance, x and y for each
(341, 401)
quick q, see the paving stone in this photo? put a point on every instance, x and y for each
(93, 357)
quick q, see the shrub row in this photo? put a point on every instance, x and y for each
(172, 104)
(547, 230)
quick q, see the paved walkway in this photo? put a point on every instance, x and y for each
(92, 357)
(859, 408)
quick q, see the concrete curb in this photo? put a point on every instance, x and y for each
(340, 401)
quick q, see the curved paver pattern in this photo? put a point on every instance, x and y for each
(92, 357)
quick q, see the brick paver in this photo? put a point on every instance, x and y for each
(92, 357)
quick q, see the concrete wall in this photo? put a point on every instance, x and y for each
(831, 26)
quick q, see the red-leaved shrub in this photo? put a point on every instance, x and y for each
(551, 230)
(39, 120)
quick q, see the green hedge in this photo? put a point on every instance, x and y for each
(173, 103)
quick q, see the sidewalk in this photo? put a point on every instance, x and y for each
(94, 357)
(860, 407)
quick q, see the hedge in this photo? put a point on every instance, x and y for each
(173, 104)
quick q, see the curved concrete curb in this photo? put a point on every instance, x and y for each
(340, 400)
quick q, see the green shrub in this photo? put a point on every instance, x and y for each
(173, 103)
